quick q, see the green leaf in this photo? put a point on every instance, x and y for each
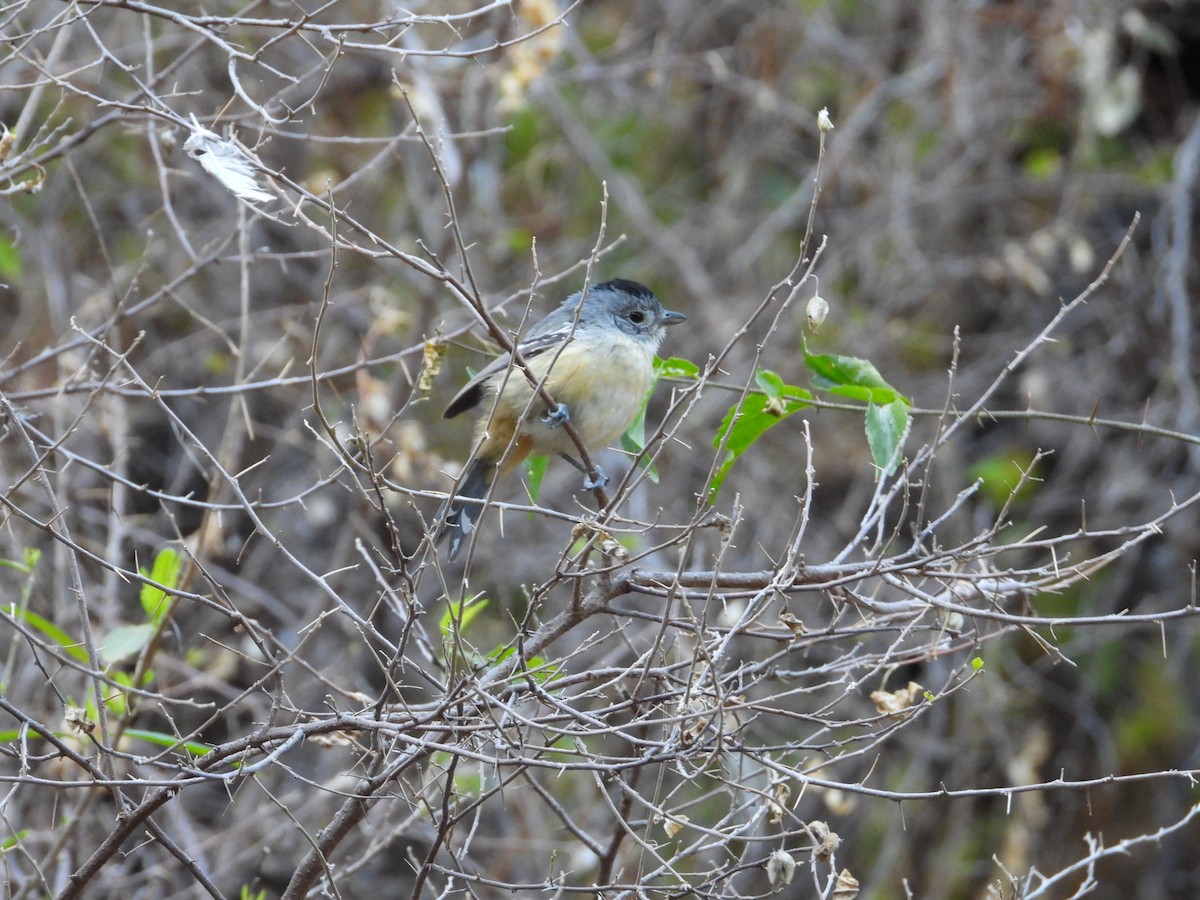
(676, 367)
(850, 376)
(154, 737)
(518, 240)
(168, 740)
(757, 414)
(631, 542)
(1003, 475)
(53, 632)
(458, 616)
(977, 663)
(521, 138)
(10, 260)
(536, 667)
(165, 571)
(166, 567)
(887, 428)
(634, 438)
(770, 383)
(114, 701)
(1042, 163)
(13, 841)
(31, 556)
(126, 641)
(535, 472)
(633, 441)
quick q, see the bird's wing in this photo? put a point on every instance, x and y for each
(532, 346)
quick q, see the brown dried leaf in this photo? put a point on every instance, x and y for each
(431, 363)
(792, 624)
(674, 825)
(893, 703)
(77, 720)
(781, 792)
(825, 841)
(846, 887)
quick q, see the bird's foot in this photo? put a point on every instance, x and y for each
(590, 484)
(557, 416)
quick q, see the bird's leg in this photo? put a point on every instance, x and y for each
(589, 484)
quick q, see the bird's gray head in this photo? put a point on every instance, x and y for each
(630, 306)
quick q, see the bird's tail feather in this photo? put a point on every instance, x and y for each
(460, 518)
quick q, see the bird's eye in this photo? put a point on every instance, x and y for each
(637, 317)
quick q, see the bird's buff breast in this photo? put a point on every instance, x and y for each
(603, 387)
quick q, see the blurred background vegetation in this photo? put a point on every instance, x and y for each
(987, 158)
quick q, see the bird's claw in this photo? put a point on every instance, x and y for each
(557, 416)
(590, 484)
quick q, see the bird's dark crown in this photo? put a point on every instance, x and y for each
(624, 284)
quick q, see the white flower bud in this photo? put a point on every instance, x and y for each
(817, 310)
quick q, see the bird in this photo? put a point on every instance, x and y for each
(594, 354)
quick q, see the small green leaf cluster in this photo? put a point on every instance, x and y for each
(119, 644)
(453, 626)
(887, 411)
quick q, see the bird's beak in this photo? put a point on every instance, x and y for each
(670, 317)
